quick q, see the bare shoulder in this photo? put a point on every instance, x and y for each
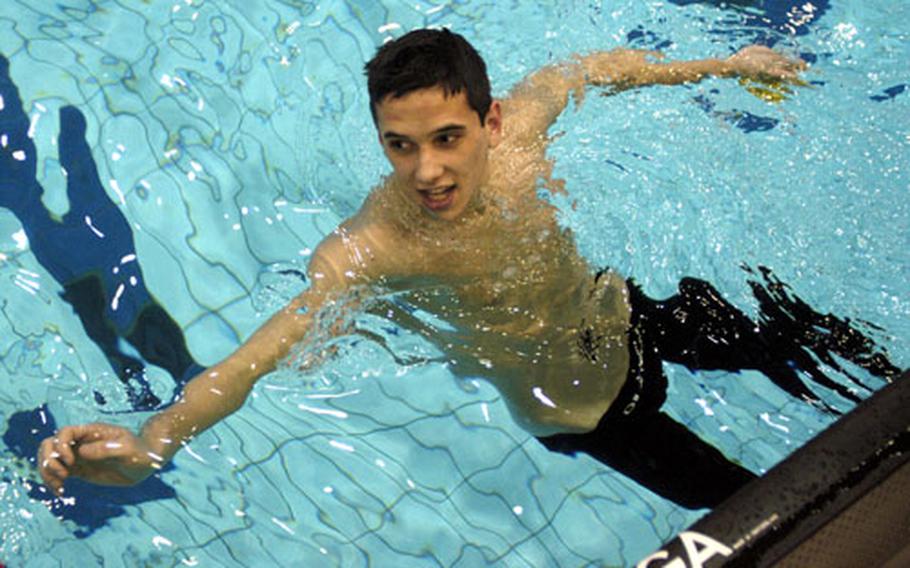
(525, 122)
(520, 162)
(360, 250)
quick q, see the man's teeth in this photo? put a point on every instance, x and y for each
(438, 194)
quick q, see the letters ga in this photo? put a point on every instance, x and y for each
(699, 549)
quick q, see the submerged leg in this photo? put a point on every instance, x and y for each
(699, 329)
(635, 438)
(662, 455)
(788, 318)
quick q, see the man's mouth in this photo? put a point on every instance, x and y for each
(438, 198)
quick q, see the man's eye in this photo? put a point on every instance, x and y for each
(399, 145)
(447, 139)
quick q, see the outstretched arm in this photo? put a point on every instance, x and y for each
(540, 98)
(112, 455)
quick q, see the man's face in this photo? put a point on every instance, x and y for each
(438, 147)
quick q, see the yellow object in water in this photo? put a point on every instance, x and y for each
(771, 90)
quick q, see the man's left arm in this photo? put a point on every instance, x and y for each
(540, 98)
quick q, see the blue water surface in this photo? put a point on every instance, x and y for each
(180, 160)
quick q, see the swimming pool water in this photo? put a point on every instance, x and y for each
(232, 136)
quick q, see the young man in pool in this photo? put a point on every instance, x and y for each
(458, 231)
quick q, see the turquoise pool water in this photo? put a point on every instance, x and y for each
(231, 136)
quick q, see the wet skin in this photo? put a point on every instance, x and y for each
(487, 255)
(458, 231)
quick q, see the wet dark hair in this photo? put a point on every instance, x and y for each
(422, 59)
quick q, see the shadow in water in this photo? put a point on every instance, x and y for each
(766, 20)
(90, 252)
(92, 506)
(890, 93)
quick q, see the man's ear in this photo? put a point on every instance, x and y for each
(493, 123)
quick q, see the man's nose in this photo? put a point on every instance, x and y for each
(429, 167)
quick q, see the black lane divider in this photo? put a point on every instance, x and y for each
(771, 516)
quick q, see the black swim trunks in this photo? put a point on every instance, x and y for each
(637, 439)
(699, 329)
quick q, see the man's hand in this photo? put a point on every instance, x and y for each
(100, 453)
(763, 63)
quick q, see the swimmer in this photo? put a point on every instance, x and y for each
(458, 230)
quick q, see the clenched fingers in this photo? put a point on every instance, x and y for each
(66, 440)
(102, 450)
(57, 457)
(791, 67)
(50, 465)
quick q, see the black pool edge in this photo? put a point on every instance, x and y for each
(771, 517)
